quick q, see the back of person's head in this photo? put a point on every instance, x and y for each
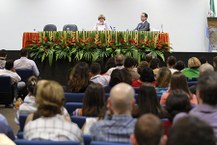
(148, 101)
(31, 84)
(207, 88)
(194, 62)
(94, 100)
(120, 75)
(119, 59)
(180, 65)
(3, 53)
(215, 63)
(110, 63)
(171, 61)
(24, 52)
(129, 62)
(121, 98)
(49, 98)
(141, 65)
(177, 102)
(147, 75)
(95, 68)
(191, 131)
(179, 81)
(205, 67)
(9, 64)
(148, 58)
(154, 63)
(148, 131)
(203, 60)
(163, 77)
(78, 77)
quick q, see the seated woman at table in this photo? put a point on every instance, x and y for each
(48, 122)
(101, 24)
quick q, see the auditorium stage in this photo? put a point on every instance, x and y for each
(60, 69)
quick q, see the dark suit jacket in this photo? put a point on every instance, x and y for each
(143, 26)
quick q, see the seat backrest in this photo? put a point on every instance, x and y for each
(107, 143)
(70, 27)
(74, 97)
(22, 121)
(50, 27)
(72, 106)
(44, 142)
(87, 139)
(6, 92)
(79, 120)
(24, 74)
(5, 84)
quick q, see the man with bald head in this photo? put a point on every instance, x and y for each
(119, 124)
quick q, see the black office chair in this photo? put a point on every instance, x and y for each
(6, 92)
(24, 74)
(50, 27)
(70, 27)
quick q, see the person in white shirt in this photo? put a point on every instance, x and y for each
(25, 63)
(49, 122)
(10, 71)
(96, 77)
(171, 62)
(101, 24)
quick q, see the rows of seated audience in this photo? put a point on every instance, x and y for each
(133, 103)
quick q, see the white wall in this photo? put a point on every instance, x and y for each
(185, 20)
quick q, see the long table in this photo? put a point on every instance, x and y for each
(29, 37)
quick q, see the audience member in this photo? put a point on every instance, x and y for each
(179, 81)
(148, 131)
(203, 60)
(180, 65)
(93, 101)
(25, 63)
(29, 105)
(177, 102)
(142, 65)
(79, 78)
(148, 102)
(191, 131)
(171, 61)
(119, 60)
(48, 122)
(118, 126)
(3, 56)
(192, 70)
(148, 57)
(146, 76)
(163, 80)
(214, 63)
(5, 128)
(101, 24)
(95, 70)
(206, 92)
(144, 25)
(154, 65)
(118, 76)
(130, 66)
(110, 63)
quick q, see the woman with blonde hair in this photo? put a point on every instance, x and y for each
(192, 71)
(48, 122)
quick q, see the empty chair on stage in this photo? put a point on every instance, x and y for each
(50, 27)
(70, 27)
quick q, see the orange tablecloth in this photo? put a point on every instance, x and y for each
(28, 37)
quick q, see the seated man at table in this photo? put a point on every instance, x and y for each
(144, 25)
(25, 63)
(119, 125)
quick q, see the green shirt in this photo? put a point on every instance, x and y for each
(191, 72)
